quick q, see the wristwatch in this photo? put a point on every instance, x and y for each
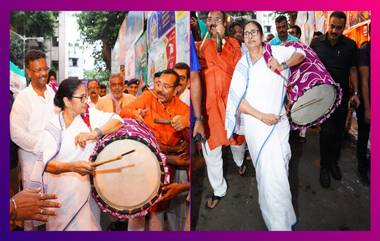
(199, 118)
(284, 65)
(99, 132)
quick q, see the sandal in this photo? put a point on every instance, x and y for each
(242, 169)
(213, 201)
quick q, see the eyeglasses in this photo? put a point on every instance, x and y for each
(82, 98)
(214, 20)
(40, 70)
(163, 85)
(182, 77)
(250, 34)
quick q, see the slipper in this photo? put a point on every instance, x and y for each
(242, 169)
(213, 201)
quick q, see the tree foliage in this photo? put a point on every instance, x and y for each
(101, 76)
(103, 26)
(34, 24)
(29, 24)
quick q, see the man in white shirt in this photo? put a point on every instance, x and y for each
(29, 115)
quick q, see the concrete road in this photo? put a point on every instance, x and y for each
(344, 206)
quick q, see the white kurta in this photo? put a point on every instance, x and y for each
(78, 211)
(268, 145)
(28, 118)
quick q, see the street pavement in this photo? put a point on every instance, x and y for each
(344, 206)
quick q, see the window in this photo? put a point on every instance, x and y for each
(73, 62)
(55, 41)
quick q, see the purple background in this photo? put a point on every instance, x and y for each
(187, 5)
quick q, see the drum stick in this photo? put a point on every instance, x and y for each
(162, 121)
(313, 101)
(204, 40)
(98, 163)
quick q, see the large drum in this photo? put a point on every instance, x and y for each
(129, 186)
(312, 93)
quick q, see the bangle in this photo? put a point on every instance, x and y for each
(99, 132)
(200, 118)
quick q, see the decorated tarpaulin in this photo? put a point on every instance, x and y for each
(134, 27)
(141, 55)
(356, 25)
(17, 79)
(130, 69)
(157, 59)
(152, 28)
(183, 36)
(170, 42)
(164, 43)
(166, 20)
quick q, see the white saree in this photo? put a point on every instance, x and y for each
(268, 145)
(78, 211)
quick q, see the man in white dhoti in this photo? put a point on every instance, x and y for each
(258, 92)
(30, 113)
(69, 140)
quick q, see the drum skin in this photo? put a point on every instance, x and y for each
(312, 94)
(129, 187)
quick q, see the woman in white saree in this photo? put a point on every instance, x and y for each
(69, 141)
(258, 93)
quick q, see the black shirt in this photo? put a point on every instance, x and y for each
(338, 59)
(364, 60)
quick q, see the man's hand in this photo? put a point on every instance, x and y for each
(179, 122)
(33, 205)
(140, 113)
(199, 128)
(355, 99)
(173, 189)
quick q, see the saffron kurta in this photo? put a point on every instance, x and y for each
(217, 70)
(165, 134)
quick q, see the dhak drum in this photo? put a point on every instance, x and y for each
(128, 187)
(312, 93)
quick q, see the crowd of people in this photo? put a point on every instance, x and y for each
(237, 100)
(244, 99)
(54, 139)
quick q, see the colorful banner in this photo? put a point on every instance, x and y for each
(114, 58)
(135, 27)
(130, 64)
(166, 20)
(171, 48)
(152, 29)
(141, 55)
(182, 36)
(157, 59)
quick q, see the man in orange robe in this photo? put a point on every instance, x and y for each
(169, 119)
(218, 64)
